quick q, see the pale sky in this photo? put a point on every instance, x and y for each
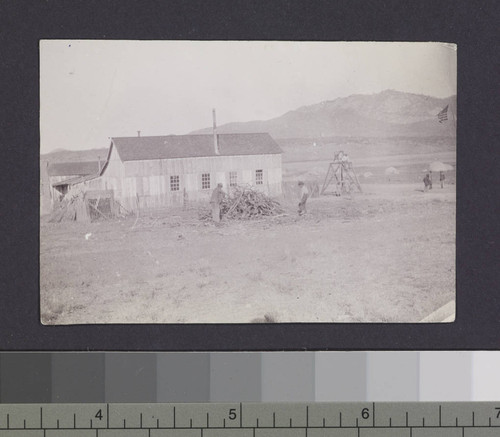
(91, 90)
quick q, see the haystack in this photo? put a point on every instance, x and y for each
(391, 170)
(437, 166)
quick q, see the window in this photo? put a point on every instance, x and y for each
(233, 179)
(174, 183)
(259, 177)
(205, 181)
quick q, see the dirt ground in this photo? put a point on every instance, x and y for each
(384, 255)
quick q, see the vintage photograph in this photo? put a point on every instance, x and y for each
(247, 182)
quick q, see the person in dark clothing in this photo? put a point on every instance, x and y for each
(215, 202)
(427, 183)
(304, 195)
(441, 178)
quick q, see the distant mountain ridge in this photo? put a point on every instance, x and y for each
(388, 113)
(63, 155)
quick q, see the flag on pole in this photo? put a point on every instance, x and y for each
(443, 115)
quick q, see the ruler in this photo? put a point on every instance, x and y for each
(379, 419)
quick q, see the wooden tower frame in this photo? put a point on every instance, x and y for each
(343, 172)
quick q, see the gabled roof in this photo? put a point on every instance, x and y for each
(189, 146)
(75, 180)
(73, 168)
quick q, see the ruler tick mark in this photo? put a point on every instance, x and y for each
(200, 414)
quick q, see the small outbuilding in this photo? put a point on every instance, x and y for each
(56, 178)
(63, 174)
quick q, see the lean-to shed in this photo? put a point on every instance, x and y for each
(61, 175)
(158, 171)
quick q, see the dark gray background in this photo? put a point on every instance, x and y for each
(472, 25)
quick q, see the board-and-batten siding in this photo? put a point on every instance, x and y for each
(146, 183)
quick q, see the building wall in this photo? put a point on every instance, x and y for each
(113, 177)
(147, 184)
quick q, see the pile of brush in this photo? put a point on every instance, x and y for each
(245, 203)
